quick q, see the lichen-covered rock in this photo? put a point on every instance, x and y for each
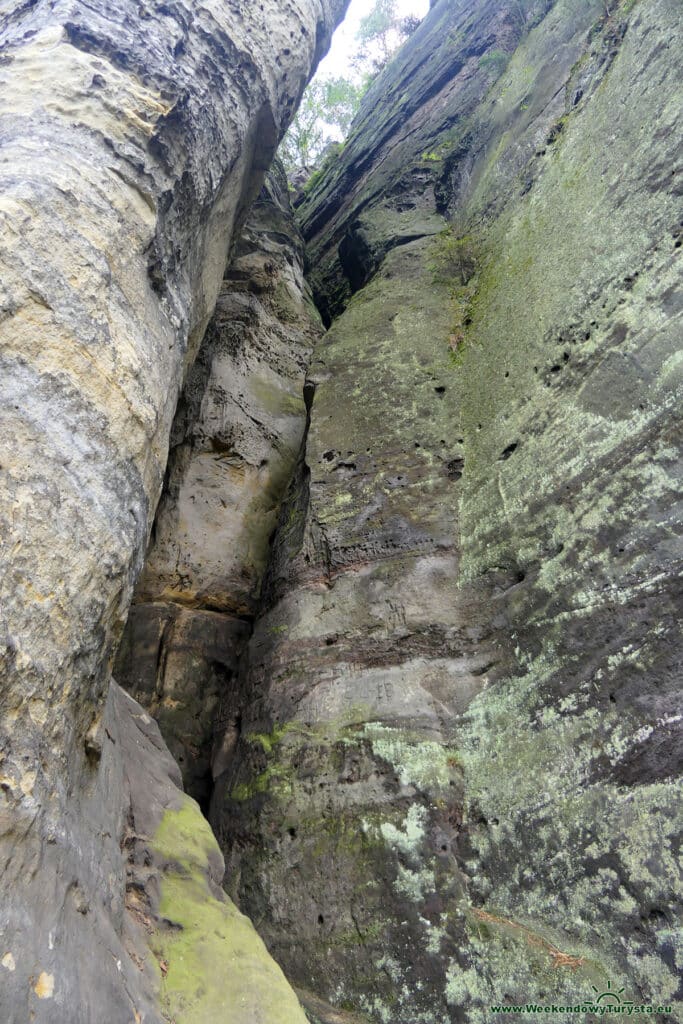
(133, 140)
(234, 445)
(569, 417)
(458, 778)
(355, 676)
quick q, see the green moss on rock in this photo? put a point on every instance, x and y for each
(214, 968)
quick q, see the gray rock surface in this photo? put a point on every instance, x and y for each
(234, 445)
(447, 764)
(458, 780)
(133, 142)
(135, 930)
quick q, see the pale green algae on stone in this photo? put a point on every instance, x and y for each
(217, 969)
(569, 849)
(519, 852)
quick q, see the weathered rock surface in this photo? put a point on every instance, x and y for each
(358, 672)
(234, 446)
(208, 962)
(446, 765)
(133, 141)
(169, 944)
(415, 121)
(456, 783)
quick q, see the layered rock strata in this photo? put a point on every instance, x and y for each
(363, 662)
(456, 781)
(133, 140)
(234, 446)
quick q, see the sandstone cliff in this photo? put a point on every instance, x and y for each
(407, 618)
(234, 446)
(455, 780)
(134, 138)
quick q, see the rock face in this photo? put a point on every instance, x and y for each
(133, 142)
(443, 769)
(362, 665)
(455, 780)
(234, 446)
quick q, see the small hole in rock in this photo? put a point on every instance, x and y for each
(321, 919)
(454, 469)
(508, 452)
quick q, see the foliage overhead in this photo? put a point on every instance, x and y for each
(329, 105)
(380, 34)
(327, 109)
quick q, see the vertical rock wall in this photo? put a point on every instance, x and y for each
(133, 140)
(456, 783)
(359, 671)
(234, 446)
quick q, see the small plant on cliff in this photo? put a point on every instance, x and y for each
(494, 62)
(454, 262)
(326, 160)
(455, 256)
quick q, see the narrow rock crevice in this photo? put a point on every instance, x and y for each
(424, 731)
(132, 144)
(237, 435)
